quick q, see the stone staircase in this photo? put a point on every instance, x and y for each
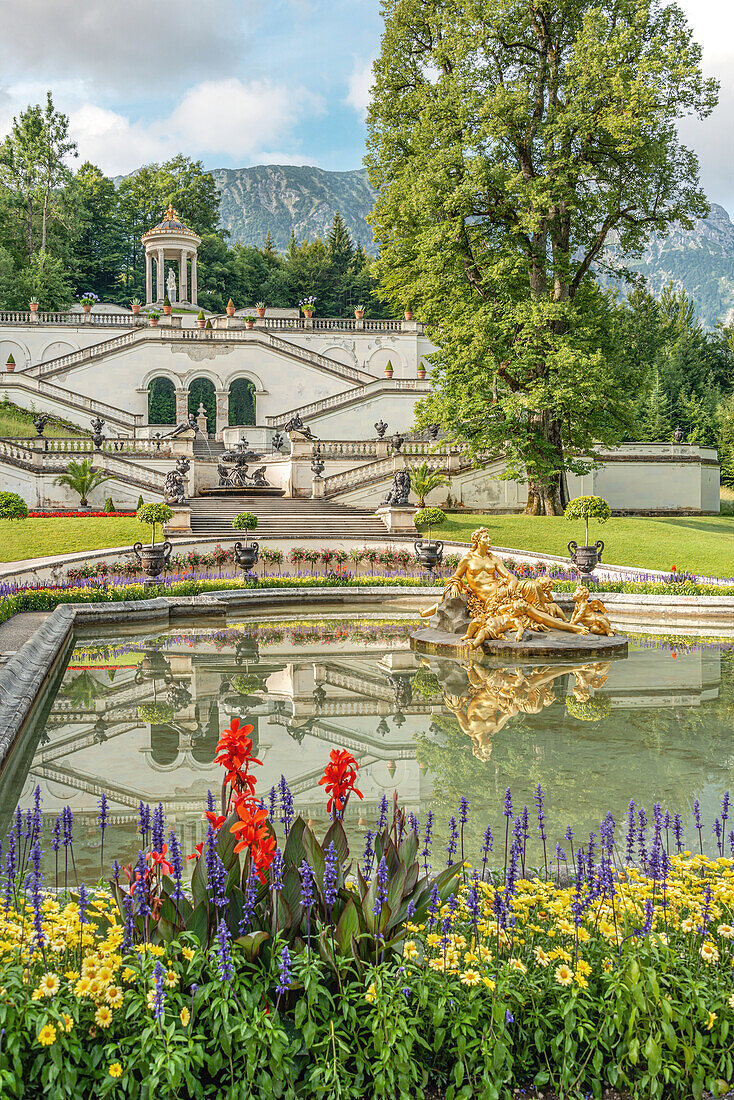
(283, 518)
(208, 448)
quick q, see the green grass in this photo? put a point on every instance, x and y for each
(37, 538)
(703, 545)
(17, 423)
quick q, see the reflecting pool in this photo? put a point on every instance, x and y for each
(139, 716)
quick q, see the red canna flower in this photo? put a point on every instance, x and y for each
(158, 859)
(339, 777)
(235, 754)
(195, 854)
(217, 820)
(253, 834)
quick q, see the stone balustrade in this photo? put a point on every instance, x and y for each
(337, 400)
(106, 320)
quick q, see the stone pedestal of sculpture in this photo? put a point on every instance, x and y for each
(398, 518)
(180, 523)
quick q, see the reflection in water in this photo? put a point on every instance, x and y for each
(140, 720)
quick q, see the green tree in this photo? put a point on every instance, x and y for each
(655, 423)
(506, 143)
(82, 478)
(423, 480)
(99, 250)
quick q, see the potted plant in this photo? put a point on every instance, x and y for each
(167, 307)
(209, 327)
(135, 305)
(389, 369)
(249, 322)
(260, 309)
(200, 318)
(87, 300)
(230, 308)
(421, 370)
(308, 304)
(33, 305)
(408, 315)
(82, 478)
(153, 558)
(246, 553)
(10, 362)
(359, 312)
(154, 318)
(429, 554)
(586, 558)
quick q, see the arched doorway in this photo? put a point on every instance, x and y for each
(201, 392)
(161, 401)
(242, 402)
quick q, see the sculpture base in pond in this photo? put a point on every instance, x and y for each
(550, 643)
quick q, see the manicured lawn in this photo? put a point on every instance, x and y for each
(37, 538)
(703, 545)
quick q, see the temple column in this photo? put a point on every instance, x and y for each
(194, 289)
(148, 277)
(182, 277)
(161, 277)
(222, 398)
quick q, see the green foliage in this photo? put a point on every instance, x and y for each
(161, 401)
(109, 505)
(503, 159)
(246, 683)
(588, 508)
(423, 479)
(12, 506)
(11, 360)
(244, 521)
(156, 714)
(82, 478)
(427, 518)
(153, 514)
(426, 683)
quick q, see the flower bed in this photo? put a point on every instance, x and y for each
(287, 968)
(77, 515)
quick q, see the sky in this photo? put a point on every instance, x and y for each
(241, 82)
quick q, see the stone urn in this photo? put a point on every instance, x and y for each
(408, 314)
(260, 311)
(153, 559)
(359, 314)
(87, 307)
(586, 558)
(429, 554)
(247, 554)
(135, 309)
(230, 308)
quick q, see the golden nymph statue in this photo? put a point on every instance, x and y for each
(499, 602)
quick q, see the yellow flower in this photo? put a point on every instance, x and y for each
(687, 925)
(515, 964)
(711, 1020)
(49, 985)
(540, 956)
(105, 974)
(114, 996)
(470, 977)
(410, 951)
(371, 994)
(185, 1017)
(103, 1016)
(187, 953)
(115, 1070)
(731, 1001)
(128, 974)
(72, 975)
(581, 980)
(171, 979)
(709, 952)
(151, 998)
(81, 989)
(563, 974)
(47, 1035)
(726, 931)
(68, 1022)
(582, 967)
(489, 983)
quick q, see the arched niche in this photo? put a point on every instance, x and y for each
(202, 392)
(56, 349)
(242, 402)
(161, 401)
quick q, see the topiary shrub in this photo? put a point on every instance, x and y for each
(141, 502)
(12, 506)
(245, 521)
(246, 683)
(425, 683)
(587, 508)
(592, 709)
(157, 714)
(152, 515)
(427, 518)
(109, 505)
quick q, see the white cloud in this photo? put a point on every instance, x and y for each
(226, 118)
(360, 83)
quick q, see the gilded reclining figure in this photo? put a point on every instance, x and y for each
(499, 602)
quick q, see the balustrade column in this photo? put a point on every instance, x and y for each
(183, 276)
(194, 288)
(148, 277)
(161, 276)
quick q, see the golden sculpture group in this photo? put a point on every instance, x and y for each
(499, 602)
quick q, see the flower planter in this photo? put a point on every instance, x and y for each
(429, 554)
(201, 323)
(135, 309)
(260, 312)
(167, 311)
(249, 324)
(359, 314)
(153, 559)
(586, 558)
(308, 314)
(230, 309)
(389, 373)
(247, 554)
(33, 306)
(408, 315)
(87, 309)
(421, 374)
(153, 322)
(10, 367)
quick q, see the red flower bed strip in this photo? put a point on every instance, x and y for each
(75, 515)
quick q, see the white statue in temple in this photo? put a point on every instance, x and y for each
(171, 286)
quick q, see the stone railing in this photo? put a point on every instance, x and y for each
(116, 467)
(107, 320)
(83, 355)
(15, 450)
(66, 397)
(339, 448)
(146, 448)
(332, 324)
(351, 479)
(230, 336)
(369, 389)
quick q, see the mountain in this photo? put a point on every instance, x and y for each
(278, 198)
(699, 261)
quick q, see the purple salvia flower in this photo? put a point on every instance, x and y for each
(224, 952)
(140, 890)
(630, 837)
(330, 894)
(56, 835)
(210, 802)
(718, 833)
(428, 840)
(678, 832)
(507, 811)
(158, 830)
(539, 799)
(129, 936)
(434, 904)
(307, 895)
(116, 872)
(174, 855)
(369, 855)
(160, 991)
(410, 911)
(216, 874)
(287, 812)
(276, 871)
(642, 834)
(382, 822)
(463, 810)
(67, 823)
(83, 904)
(381, 893)
(272, 800)
(248, 905)
(285, 975)
(724, 809)
(453, 839)
(413, 821)
(37, 896)
(647, 926)
(486, 848)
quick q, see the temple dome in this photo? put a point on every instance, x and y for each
(171, 223)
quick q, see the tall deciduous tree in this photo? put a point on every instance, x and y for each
(507, 142)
